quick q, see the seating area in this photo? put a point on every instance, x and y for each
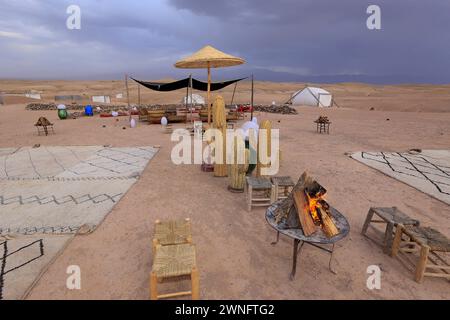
(431, 247)
(423, 250)
(174, 258)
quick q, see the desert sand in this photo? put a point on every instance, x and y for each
(234, 254)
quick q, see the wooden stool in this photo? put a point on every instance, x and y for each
(174, 261)
(283, 186)
(427, 242)
(391, 217)
(172, 232)
(260, 192)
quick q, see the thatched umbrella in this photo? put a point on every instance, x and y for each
(208, 58)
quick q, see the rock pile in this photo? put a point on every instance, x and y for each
(284, 109)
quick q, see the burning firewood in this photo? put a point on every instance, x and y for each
(306, 208)
(306, 220)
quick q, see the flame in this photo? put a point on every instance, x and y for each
(313, 205)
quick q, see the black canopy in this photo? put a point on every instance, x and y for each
(184, 83)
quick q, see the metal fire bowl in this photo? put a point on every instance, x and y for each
(318, 237)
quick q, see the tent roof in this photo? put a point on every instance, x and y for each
(208, 54)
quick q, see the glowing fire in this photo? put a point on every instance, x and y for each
(313, 206)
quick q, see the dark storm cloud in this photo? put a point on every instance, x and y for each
(287, 39)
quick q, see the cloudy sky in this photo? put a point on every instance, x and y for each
(323, 40)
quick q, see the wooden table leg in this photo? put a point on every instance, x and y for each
(367, 222)
(388, 237)
(422, 263)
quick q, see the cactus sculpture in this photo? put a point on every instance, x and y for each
(220, 123)
(267, 125)
(237, 172)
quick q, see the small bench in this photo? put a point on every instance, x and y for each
(431, 246)
(391, 217)
(260, 192)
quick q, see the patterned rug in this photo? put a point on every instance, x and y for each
(427, 171)
(48, 194)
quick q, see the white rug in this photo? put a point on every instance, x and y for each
(427, 171)
(48, 194)
(22, 261)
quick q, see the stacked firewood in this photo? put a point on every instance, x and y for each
(284, 109)
(322, 119)
(307, 209)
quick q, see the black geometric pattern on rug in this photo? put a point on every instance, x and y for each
(6, 254)
(27, 231)
(413, 165)
(59, 201)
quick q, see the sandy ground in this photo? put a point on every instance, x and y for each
(235, 258)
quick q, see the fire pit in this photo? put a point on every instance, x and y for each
(307, 218)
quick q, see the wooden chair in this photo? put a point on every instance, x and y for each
(431, 246)
(172, 232)
(174, 262)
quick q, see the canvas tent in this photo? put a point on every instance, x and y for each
(311, 96)
(101, 99)
(33, 95)
(196, 100)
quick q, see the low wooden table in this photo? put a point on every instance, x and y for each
(392, 217)
(318, 239)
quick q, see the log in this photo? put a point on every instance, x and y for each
(304, 216)
(328, 225)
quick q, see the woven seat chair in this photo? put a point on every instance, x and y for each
(174, 261)
(172, 232)
(432, 247)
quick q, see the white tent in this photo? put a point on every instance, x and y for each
(101, 99)
(311, 96)
(197, 99)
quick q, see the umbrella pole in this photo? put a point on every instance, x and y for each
(253, 95)
(209, 93)
(128, 96)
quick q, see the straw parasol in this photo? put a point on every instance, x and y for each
(208, 58)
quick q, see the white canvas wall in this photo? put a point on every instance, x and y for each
(197, 99)
(101, 99)
(311, 96)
